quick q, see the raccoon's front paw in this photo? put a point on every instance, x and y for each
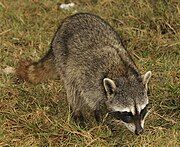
(98, 116)
(79, 119)
(111, 125)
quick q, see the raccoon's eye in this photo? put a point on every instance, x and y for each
(127, 117)
(144, 111)
(124, 116)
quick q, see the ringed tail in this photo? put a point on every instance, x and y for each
(37, 72)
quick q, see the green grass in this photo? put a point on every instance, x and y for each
(38, 115)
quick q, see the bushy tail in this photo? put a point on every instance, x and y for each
(37, 72)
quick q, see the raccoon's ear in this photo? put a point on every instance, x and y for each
(109, 85)
(146, 77)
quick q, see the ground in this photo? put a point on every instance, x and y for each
(38, 115)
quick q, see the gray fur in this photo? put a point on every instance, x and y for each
(87, 50)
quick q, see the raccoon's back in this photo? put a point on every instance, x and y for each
(86, 41)
(84, 30)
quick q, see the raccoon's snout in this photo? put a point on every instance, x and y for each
(139, 130)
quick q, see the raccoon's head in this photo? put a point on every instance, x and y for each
(127, 100)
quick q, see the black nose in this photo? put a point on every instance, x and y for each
(139, 131)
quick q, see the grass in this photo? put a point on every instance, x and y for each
(38, 115)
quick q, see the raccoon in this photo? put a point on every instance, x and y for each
(89, 57)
